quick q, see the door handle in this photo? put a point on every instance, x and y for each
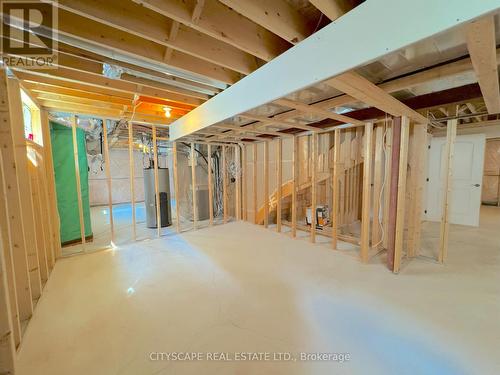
(476, 185)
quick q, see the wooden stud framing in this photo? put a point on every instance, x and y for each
(254, 180)
(30, 227)
(51, 189)
(314, 177)
(132, 174)
(176, 189)
(77, 177)
(400, 213)
(451, 133)
(366, 204)
(237, 196)
(224, 187)
(244, 187)
(266, 184)
(11, 217)
(193, 185)
(279, 182)
(7, 348)
(157, 190)
(387, 176)
(335, 186)
(377, 185)
(8, 258)
(295, 169)
(107, 167)
(210, 187)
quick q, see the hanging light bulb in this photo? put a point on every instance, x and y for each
(167, 111)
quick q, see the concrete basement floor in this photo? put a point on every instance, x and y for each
(242, 288)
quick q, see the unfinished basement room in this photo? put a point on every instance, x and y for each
(294, 187)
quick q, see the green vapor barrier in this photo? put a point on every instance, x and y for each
(64, 170)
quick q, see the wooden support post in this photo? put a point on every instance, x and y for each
(210, 187)
(400, 213)
(224, 185)
(393, 192)
(39, 233)
(377, 185)
(419, 151)
(266, 184)
(176, 189)
(107, 167)
(295, 167)
(7, 348)
(279, 182)
(238, 183)
(193, 185)
(451, 133)
(314, 157)
(387, 178)
(157, 189)
(335, 186)
(132, 175)
(254, 197)
(8, 258)
(366, 203)
(244, 189)
(77, 177)
(51, 188)
(11, 218)
(25, 192)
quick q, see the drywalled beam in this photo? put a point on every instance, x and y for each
(313, 60)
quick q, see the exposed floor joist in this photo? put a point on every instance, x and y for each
(272, 81)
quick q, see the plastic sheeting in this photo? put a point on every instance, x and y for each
(64, 170)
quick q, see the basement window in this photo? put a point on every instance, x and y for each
(31, 119)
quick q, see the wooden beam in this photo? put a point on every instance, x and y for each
(481, 43)
(210, 187)
(318, 111)
(193, 185)
(448, 182)
(400, 214)
(335, 186)
(198, 8)
(131, 164)
(176, 188)
(295, 172)
(107, 167)
(279, 182)
(272, 80)
(77, 180)
(366, 203)
(277, 16)
(272, 121)
(360, 88)
(244, 190)
(314, 178)
(250, 129)
(156, 160)
(223, 24)
(266, 184)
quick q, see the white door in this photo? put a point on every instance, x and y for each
(468, 160)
